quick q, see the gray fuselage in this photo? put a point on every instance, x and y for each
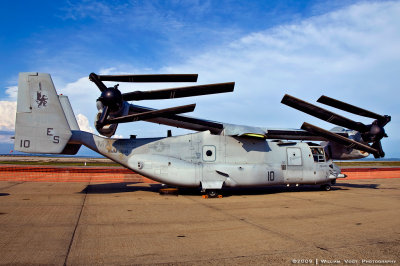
(213, 161)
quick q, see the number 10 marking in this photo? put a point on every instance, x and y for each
(271, 175)
(25, 143)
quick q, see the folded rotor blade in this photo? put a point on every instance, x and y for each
(152, 114)
(95, 79)
(179, 92)
(378, 146)
(323, 113)
(150, 78)
(348, 107)
(349, 143)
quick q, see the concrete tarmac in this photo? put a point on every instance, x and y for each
(130, 223)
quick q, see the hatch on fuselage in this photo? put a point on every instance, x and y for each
(306, 163)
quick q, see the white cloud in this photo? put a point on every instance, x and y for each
(82, 95)
(8, 110)
(350, 54)
(12, 93)
(83, 123)
(5, 137)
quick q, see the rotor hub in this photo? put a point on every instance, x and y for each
(112, 98)
(375, 133)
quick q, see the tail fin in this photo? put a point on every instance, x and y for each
(44, 120)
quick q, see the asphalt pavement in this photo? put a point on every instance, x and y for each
(131, 223)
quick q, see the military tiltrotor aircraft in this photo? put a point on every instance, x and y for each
(219, 155)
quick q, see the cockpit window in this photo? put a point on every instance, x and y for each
(318, 154)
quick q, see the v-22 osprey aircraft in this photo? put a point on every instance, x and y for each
(218, 155)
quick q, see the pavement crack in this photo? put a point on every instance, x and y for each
(321, 248)
(246, 221)
(10, 186)
(76, 227)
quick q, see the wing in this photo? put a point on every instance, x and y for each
(197, 124)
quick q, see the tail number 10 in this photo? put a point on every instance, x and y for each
(270, 176)
(25, 143)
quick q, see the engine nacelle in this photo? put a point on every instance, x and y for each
(109, 130)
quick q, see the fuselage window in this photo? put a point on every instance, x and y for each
(318, 154)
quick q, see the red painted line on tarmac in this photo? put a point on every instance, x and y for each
(117, 175)
(371, 173)
(69, 174)
(371, 169)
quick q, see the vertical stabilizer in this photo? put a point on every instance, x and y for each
(41, 125)
(69, 113)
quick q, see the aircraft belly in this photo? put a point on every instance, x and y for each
(165, 169)
(234, 175)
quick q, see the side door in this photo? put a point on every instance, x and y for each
(294, 165)
(211, 179)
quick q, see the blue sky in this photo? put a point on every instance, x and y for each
(344, 49)
(79, 36)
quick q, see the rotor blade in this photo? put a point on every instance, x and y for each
(95, 79)
(378, 146)
(151, 78)
(348, 107)
(152, 114)
(349, 143)
(179, 92)
(106, 111)
(323, 113)
(180, 121)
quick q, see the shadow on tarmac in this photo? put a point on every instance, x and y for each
(110, 188)
(119, 188)
(373, 186)
(226, 192)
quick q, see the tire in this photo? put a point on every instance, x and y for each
(212, 193)
(326, 187)
(169, 191)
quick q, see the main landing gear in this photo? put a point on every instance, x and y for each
(212, 193)
(326, 187)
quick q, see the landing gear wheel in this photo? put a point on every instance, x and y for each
(326, 187)
(169, 191)
(212, 193)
